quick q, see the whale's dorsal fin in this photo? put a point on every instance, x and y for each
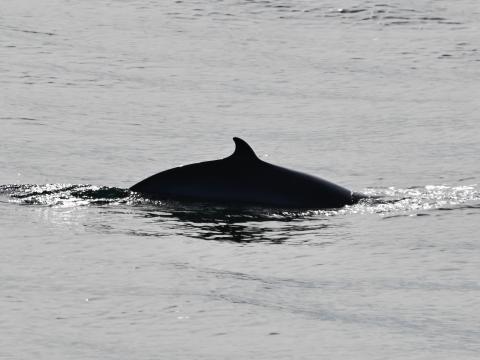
(243, 151)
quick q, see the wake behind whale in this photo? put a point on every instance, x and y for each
(243, 178)
(384, 201)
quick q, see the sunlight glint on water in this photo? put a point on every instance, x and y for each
(380, 97)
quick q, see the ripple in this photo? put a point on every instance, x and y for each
(242, 224)
(28, 31)
(65, 194)
(383, 201)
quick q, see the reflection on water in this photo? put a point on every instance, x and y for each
(113, 210)
(237, 225)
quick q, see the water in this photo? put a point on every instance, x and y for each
(380, 97)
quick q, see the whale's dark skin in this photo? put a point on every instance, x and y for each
(244, 179)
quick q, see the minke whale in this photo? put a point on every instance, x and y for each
(244, 179)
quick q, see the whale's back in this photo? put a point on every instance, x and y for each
(242, 178)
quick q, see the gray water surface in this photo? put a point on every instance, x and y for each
(379, 97)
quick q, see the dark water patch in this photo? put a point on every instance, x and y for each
(389, 17)
(384, 5)
(156, 234)
(33, 122)
(16, 118)
(286, 303)
(460, 207)
(236, 233)
(410, 10)
(26, 31)
(398, 23)
(449, 269)
(405, 215)
(395, 216)
(231, 224)
(450, 22)
(311, 10)
(38, 32)
(273, 281)
(23, 120)
(427, 18)
(276, 232)
(467, 179)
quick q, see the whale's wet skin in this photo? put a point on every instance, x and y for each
(376, 97)
(242, 178)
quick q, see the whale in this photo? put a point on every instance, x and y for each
(244, 179)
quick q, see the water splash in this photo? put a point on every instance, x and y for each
(389, 200)
(137, 216)
(383, 201)
(66, 194)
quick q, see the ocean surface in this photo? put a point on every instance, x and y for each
(381, 97)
